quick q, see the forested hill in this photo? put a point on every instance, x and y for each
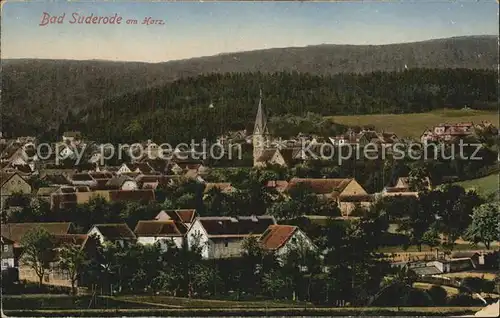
(38, 95)
(180, 111)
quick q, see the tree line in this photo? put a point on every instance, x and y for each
(180, 111)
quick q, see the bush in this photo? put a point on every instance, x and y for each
(472, 284)
(417, 298)
(438, 295)
(464, 300)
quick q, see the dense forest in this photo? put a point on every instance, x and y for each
(39, 95)
(180, 111)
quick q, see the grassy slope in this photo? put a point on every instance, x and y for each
(484, 186)
(413, 125)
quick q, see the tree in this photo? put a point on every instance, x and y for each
(273, 282)
(72, 260)
(485, 221)
(453, 207)
(416, 223)
(438, 295)
(37, 251)
(417, 178)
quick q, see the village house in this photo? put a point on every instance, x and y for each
(155, 180)
(82, 179)
(122, 182)
(140, 168)
(45, 193)
(12, 183)
(68, 197)
(402, 188)
(279, 186)
(162, 232)
(184, 216)
(119, 233)
(71, 136)
(16, 231)
(347, 193)
(282, 238)
(222, 237)
(446, 132)
(54, 275)
(7, 253)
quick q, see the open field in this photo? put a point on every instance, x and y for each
(425, 286)
(336, 311)
(485, 275)
(483, 186)
(413, 125)
(450, 290)
(180, 302)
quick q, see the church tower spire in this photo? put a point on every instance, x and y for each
(260, 120)
(260, 132)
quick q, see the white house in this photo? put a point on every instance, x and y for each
(222, 237)
(7, 253)
(122, 182)
(281, 238)
(118, 233)
(163, 232)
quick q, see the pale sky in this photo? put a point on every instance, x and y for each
(193, 29)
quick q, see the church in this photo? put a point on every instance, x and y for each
(265, 153)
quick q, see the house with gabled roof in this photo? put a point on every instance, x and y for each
(122, 182)
(139, 168)
(117, 233)
(279, 185)
(12, 183)
(54, 275)
(347, 193)
(184, 216)
(281, 238)
(163, 232)
(82, 178)
(16, 231)
(7, 253)
(222, 237)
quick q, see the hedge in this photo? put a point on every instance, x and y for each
(345, 311)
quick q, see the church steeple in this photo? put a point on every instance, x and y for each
(260, 127)
(260, 133)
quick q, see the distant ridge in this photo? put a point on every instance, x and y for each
(43, 93)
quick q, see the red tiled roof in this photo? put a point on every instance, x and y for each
(235, 227)
(132, 195)
(321, 186)
(159, 228)
(181, 215)
(16, 231)
(280, 185)
(276, 236)
(81, 177)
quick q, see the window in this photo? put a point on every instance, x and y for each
(5, 248)
(294, 240)
(5, 263)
